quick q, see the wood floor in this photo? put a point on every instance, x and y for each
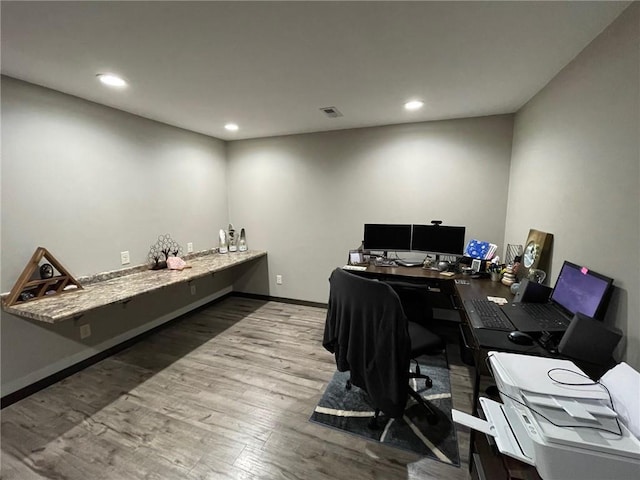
(225, 393)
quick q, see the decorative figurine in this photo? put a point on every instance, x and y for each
(242, 244)
(508, 278)
(46, 271)
(222, 242)
(232, 239)
(161, 250)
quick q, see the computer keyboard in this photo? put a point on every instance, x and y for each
(545, 315)
(359, 268)
(486, 314)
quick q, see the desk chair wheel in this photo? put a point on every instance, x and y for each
(432, 416)
(373, 422)
(428, 383)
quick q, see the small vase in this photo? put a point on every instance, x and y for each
(243, 241)
(222, 242)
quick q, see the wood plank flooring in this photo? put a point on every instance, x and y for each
(225, 393)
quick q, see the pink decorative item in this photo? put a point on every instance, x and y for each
(176, 263)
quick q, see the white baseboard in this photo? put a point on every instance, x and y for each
(66, 362)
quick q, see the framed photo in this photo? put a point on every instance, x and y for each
(356, 257)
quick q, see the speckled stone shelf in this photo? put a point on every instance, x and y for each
(125, 287)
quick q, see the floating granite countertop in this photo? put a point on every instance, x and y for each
(123, 288)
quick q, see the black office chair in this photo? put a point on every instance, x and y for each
(367, 330)
(417, 307)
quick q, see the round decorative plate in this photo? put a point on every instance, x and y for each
(531, 252)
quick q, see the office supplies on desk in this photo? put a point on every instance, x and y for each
(554, 418)
(480, 249)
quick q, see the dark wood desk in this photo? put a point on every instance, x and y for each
(441, 287)
(479, 342)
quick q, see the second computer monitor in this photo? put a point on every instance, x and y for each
(443, 239)
(387, 237)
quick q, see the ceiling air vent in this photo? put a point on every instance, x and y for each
(331, 112)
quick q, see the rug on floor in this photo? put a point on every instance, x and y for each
(350, 411)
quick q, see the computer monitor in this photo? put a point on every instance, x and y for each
(439, 239)
(580, 290)
(387, 237)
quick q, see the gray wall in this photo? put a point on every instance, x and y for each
(305, 198)
(575, 169)
(87, 182)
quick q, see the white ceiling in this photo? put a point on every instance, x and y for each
(270, 66)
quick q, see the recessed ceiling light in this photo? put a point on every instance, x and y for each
(111, 80)
(414, 105)
(232, 127)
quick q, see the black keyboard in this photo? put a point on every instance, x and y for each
(545, 316)
(486, 314)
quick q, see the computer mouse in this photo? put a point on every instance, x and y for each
(520, 338)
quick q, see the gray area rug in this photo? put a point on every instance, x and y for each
(350, 411)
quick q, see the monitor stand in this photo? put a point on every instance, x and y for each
(383, 261)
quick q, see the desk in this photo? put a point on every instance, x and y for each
(125, 287)
(480, 342)
(485, 461)
(441, 287)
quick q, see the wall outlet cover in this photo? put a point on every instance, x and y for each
(85, 331)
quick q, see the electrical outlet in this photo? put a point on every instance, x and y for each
(279, 279)
(193, 289)
(190, 247)
(124, 258)
(85, 331)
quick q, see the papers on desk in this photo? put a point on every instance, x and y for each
(623, 383)
(498, 300)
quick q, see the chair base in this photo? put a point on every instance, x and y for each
(432, 417)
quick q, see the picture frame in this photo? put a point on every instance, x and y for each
(356, 257)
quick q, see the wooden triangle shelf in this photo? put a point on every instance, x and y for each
(34, 289)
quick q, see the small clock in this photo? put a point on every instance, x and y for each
(537, 253)
(531, 252)
(46, 271)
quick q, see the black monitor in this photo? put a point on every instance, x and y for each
(580, 290)
(387, 237)
(439, 239)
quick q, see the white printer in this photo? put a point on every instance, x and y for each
(548, 420)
